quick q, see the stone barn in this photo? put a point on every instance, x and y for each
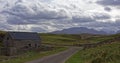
(14, 42)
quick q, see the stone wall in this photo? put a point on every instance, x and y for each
(26, 44)
(3, 51)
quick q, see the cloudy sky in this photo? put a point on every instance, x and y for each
(52, 15)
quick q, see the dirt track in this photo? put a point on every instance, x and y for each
(57, 58)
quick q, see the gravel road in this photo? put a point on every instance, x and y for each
(57, 58)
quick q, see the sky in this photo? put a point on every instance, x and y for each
(52, 15)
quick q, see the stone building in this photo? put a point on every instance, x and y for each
(14, 42)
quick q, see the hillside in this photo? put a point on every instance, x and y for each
(104, 54)
(71, 39)
(67, 39)
(108, 53)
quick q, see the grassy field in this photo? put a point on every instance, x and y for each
(59, 39)
(31, 55)
(65, 39)
(102, 54)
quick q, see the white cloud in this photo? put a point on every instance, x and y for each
(51, 15)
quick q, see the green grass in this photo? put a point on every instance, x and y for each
(59, 39)
(32, 55)
(67, 39)
(102, 54)
(98, 39)
(71, 39)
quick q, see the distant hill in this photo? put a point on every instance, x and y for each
(118, 31)
(78, 30)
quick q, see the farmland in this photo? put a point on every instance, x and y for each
(67, 39)
(108, 53)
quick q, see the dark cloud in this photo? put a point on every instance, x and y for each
(101, 16)
(109, 2)
(38, 29)
(117, 22)
(22, 14)
(4, 26)
(44, 16)
(15, 20)
(103, 24)
(97, 24)
(107, 9)
(81, 19)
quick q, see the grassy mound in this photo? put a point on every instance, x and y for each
(102, 54)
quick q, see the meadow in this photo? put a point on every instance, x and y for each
(70, 39)
(109, 53)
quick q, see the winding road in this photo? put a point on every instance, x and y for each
(57, 58)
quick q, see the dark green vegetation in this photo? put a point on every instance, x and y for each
(30, 55)
(104, 54)
(108, 53)
(66, 39)
(2, 34)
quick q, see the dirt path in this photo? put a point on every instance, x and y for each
(57, 58)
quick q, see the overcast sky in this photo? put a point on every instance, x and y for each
(52, 15)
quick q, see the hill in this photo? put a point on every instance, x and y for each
(71, 39)
(66, 39)
(108, 53)
(103, 54)
(78, 30)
